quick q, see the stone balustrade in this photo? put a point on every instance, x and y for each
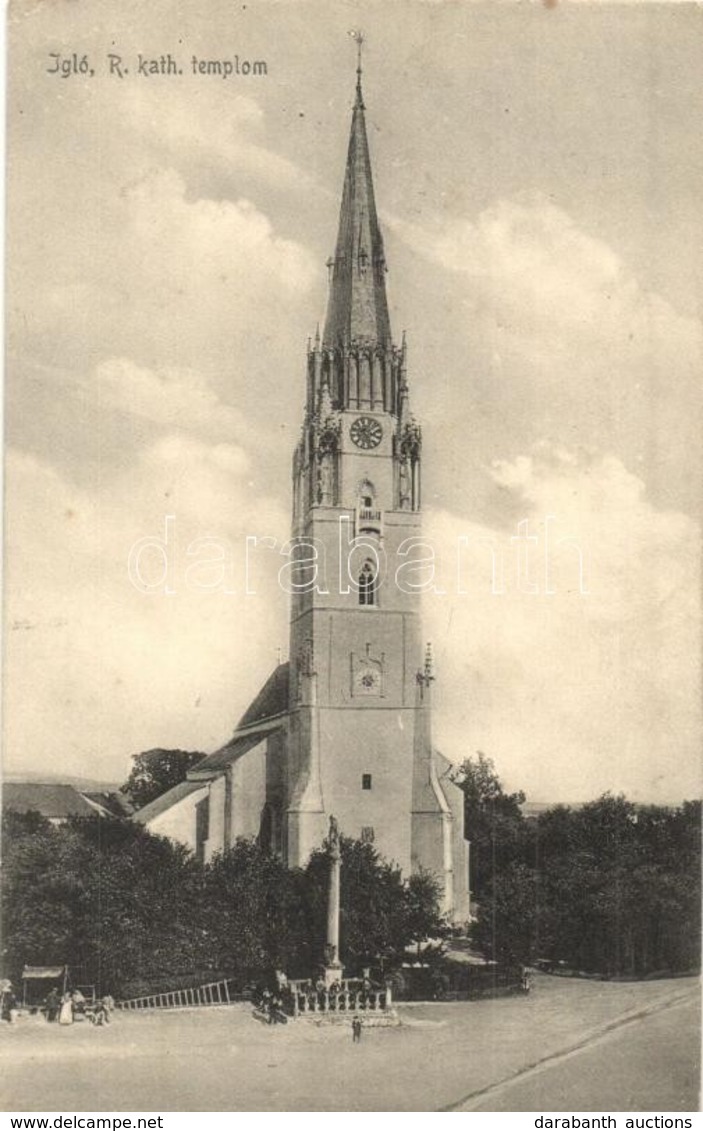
(351, 997)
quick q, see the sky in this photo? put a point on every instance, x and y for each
(538, 174)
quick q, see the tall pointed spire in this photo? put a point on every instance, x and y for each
(359, 37)
(357, 310)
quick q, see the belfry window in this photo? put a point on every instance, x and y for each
(367, 584)
(368, 515)
(366, 494)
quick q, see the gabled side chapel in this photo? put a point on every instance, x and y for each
(345, 727)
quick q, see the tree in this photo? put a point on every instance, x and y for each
(422, 918)
(119, 906)
(506, 926)
(608, 888)
(255, 913)
(143, 921)
(156, 771)
(135, 913)
(381, 914)
(260, 915)
(493, 821)
(36, 899)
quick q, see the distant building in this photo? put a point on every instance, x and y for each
(344, 728)
(58, 802)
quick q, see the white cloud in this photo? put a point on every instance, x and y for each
(165, 326)
(219, 235)
(97, 670)
(143, 339)
(574, 693)
(191, 126)
(534, 272)
(171, 398)
(169, 281)
(558, 330)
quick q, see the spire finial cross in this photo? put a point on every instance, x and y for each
(358, 36)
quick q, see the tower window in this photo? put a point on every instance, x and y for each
(367, 584)
(366, 781)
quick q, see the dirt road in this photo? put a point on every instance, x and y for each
(569, 1045)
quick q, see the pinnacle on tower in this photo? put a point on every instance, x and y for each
(357, 310)
(429, 664)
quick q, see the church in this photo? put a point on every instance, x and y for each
(344, 728)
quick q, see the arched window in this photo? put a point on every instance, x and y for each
(367, 584)
(366, 493)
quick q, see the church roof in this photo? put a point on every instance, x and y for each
(166, 800)
(272, 700)
(236, 748)
(111, 802)
(270, 704)
(357, 309)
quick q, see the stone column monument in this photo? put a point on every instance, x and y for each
(333, 967)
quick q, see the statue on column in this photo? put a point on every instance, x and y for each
(333, 967)
(333, 839)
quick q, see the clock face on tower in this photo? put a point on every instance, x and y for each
(366, 432)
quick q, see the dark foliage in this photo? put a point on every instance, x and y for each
(380, 913)
(493, 820)
(107, 898)
(156, 771)
(608, 888)
(131, 912)
(255, 912)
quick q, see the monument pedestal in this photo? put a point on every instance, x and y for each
(332, 973)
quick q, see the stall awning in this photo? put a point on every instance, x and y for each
(30, 972)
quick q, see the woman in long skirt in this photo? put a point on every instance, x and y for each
(66, 1014)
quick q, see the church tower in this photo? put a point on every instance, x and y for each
(359, 744)
(344, 727)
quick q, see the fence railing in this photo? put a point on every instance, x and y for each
(208, 994)
(348, 996)
(300, 997)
